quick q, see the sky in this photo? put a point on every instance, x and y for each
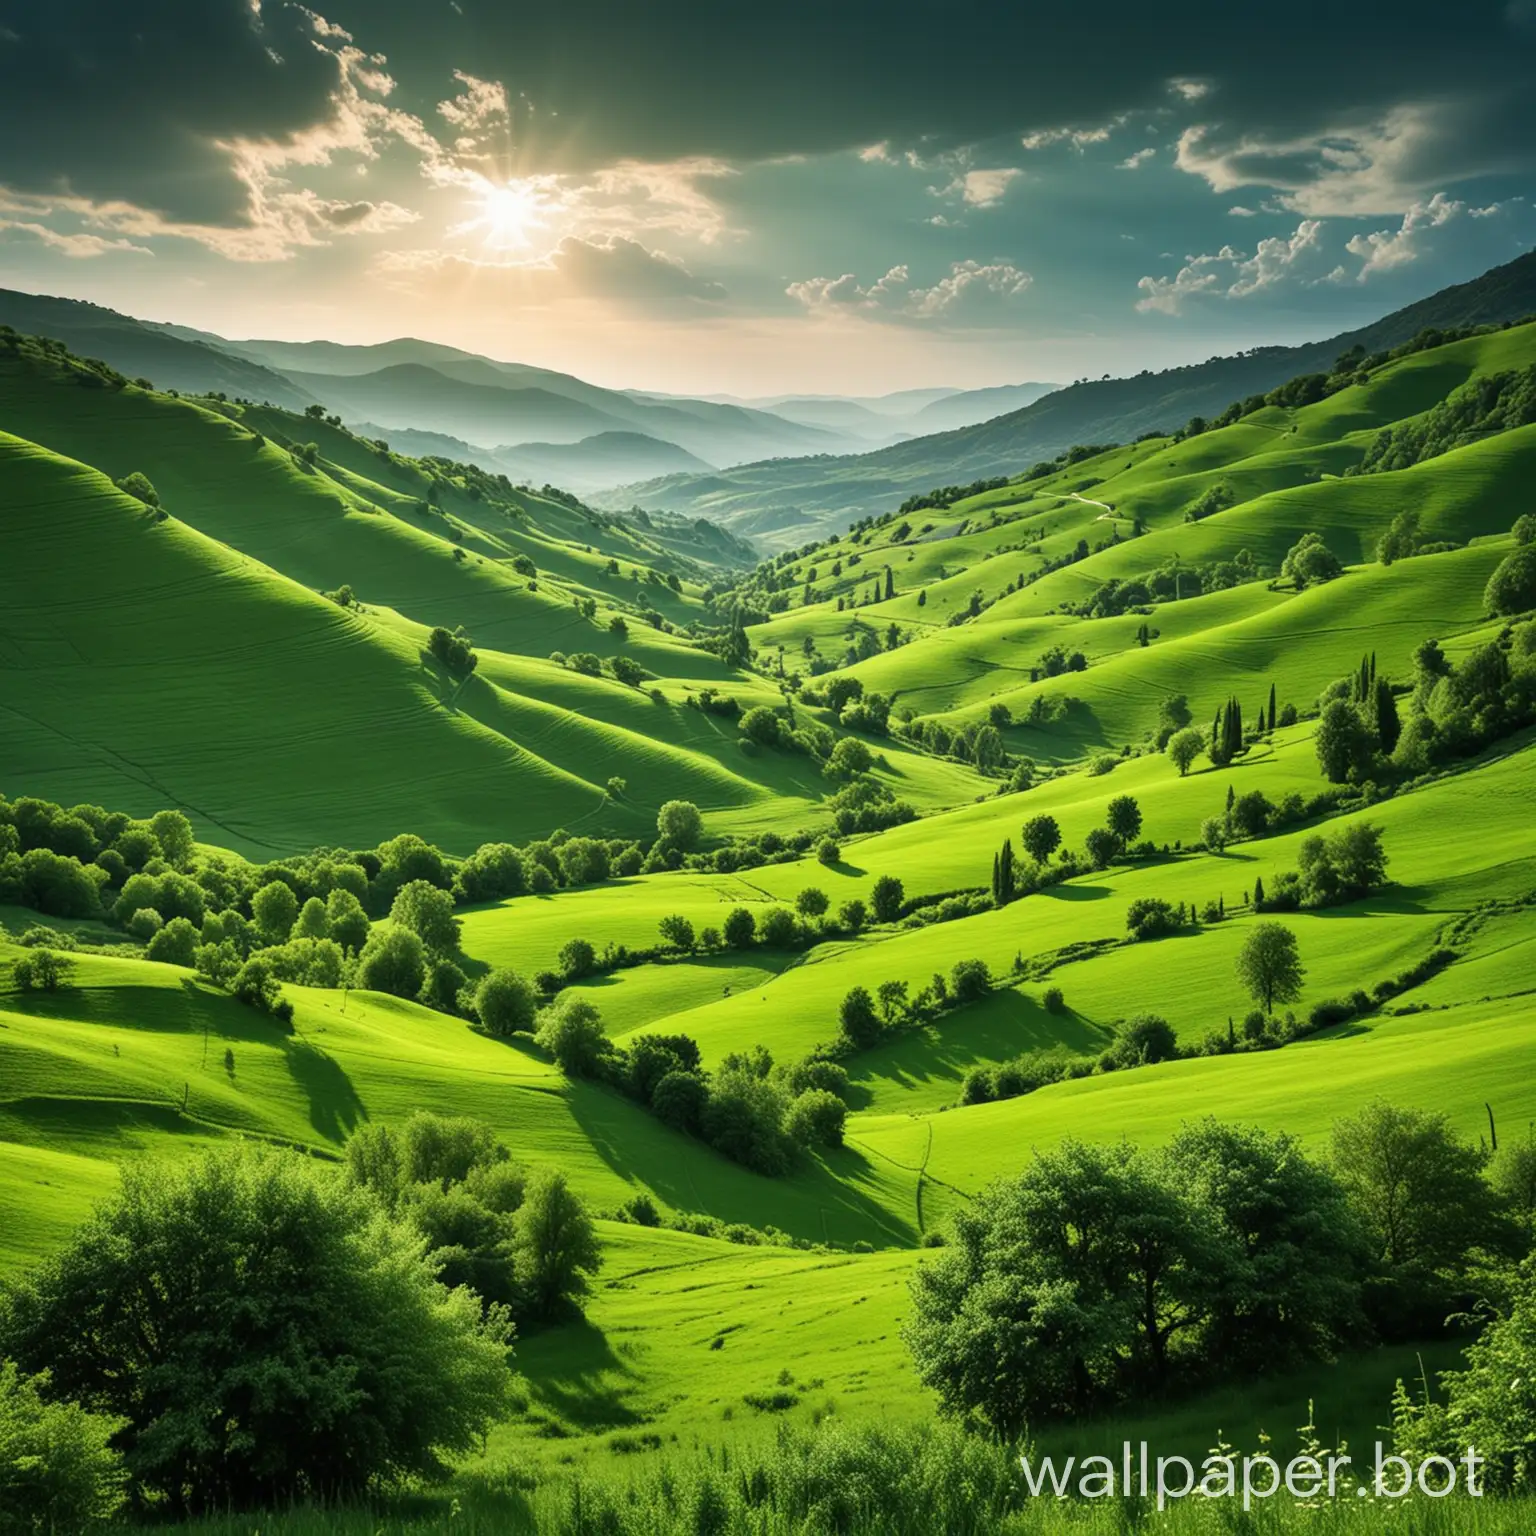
(807, 197)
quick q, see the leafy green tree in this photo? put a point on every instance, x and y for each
(1402, 538)
(816, 1119)
(1213, 833)
(761, 725)
(1417, 1188)
(848, 759)
(852, 915)
(556, 1245)
(265, 1329)
(506, 1002)
(1512, 587)
(1149, 917)
(346, 920)
(425, 910)
(857, 1020)
(1041, 838)
(1310, 562)
(42, 970)
(678, 932)
(969, 980)
(678, 1100)
(680, 823)
(778, 929)
(828, 852)
(572, 1032)
(1101, 845)
(491, 872)
(173, 832)
(275, 908)
(1524, 529)
(893, 999)
(1124, 819)
(394, 960)
(1269, 965)
(175, 944)
(583, 861)
(886, 897)
(1143, 1040)
(1345, 744)
(811, 902)
(577, 959)
(312, 923)
(739, 928)
(1184, 747)
(743, 1118)
(58, 1469)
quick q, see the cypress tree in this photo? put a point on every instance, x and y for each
(1258, 893)
(1231, 801)
(1384, 715)
(890, 584)
(1271, 706)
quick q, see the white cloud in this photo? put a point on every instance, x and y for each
(1389, 248)
(982, 189)
(1190, 90)
(1136, 161)
(1078, 138)
(1228, 273)
(1237, 211)
(79, 247)
(970, 292)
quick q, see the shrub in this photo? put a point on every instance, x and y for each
(275, 909)
(857, 1020)
(828, 853)
(778, 929)
(1512, 587)
(853, 915)
(1332, 1010)
(1142, 1040)
(969, 980)
(811, 902)
(253, 1266)
(346, 920)
(555, 1246)
(816, 1118)
(680, 823)
(1150, 918)
(577, 959)
(1054, 1000)
(678, 932)
(678, 1100)
(739, 928)
(583, 861)
(886, 898)
(58, 1471)
(256, 984)
(145, 924)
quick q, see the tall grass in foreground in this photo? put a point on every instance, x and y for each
(865, 1481)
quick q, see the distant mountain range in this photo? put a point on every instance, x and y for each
(778, 469)
(787, 501)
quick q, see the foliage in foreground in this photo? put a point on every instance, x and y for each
(266, 1331)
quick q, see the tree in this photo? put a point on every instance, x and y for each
(175, 944)
(1041, 838)
(1213, 833)
(275, 908)
(1310, 562)
(743, 1118)
(1124, 819)
(1401, 540)
(577, 959)
(1269, 965)
(312, 923)
(555, 1245)
(173, 832)
(506, 1002)
(893, 998)
(1172, 715)
(58, 1470)
(1184, 747)
(816, 1119)
(828, 852)
(811, 902)
(886, 897)
(346, 919)
(1512, 587)
(393, 960)
(428, 913)
(857, 1020)
(778, 929)
(969, 980)
(583, 860)
(42, 970)
(1148, 917)
(680, 823)
(678, 1100)
(849, 758)
(1143, 1040)
(678, 932)
(1251, 813)
(1102, 845)
(739, 928)
(572, 1032)
(267, 1331)
(1345, 745)
(761, 725)
(1002, 874)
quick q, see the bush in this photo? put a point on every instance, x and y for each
(58, 1471)
(175, 944)
(1512, 587)
(886, 898)
(1053, 1000)
(1143, 1040)
(778, 929)
(145, 924)
(739, 927)
(828, 853)
(260, 1291)
(680, 823)
(1150, 918)
(555, 1246)
(811, 902)
(816, 1118)
(424, 909)
(275, 909)
(678, 1100)
(857, 1020)
(577, 959)
(969, 980)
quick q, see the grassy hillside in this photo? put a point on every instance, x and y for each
(859, 761)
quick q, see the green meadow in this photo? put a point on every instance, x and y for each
(194, 654)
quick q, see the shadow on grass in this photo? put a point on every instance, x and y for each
(1069, 890)
(1000, 1027)
(334, 1105)
(573, 1372)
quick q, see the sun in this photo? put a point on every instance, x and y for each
(509, 212)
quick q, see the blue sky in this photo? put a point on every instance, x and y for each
(813, 198)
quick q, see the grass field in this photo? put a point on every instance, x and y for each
(195, 661)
